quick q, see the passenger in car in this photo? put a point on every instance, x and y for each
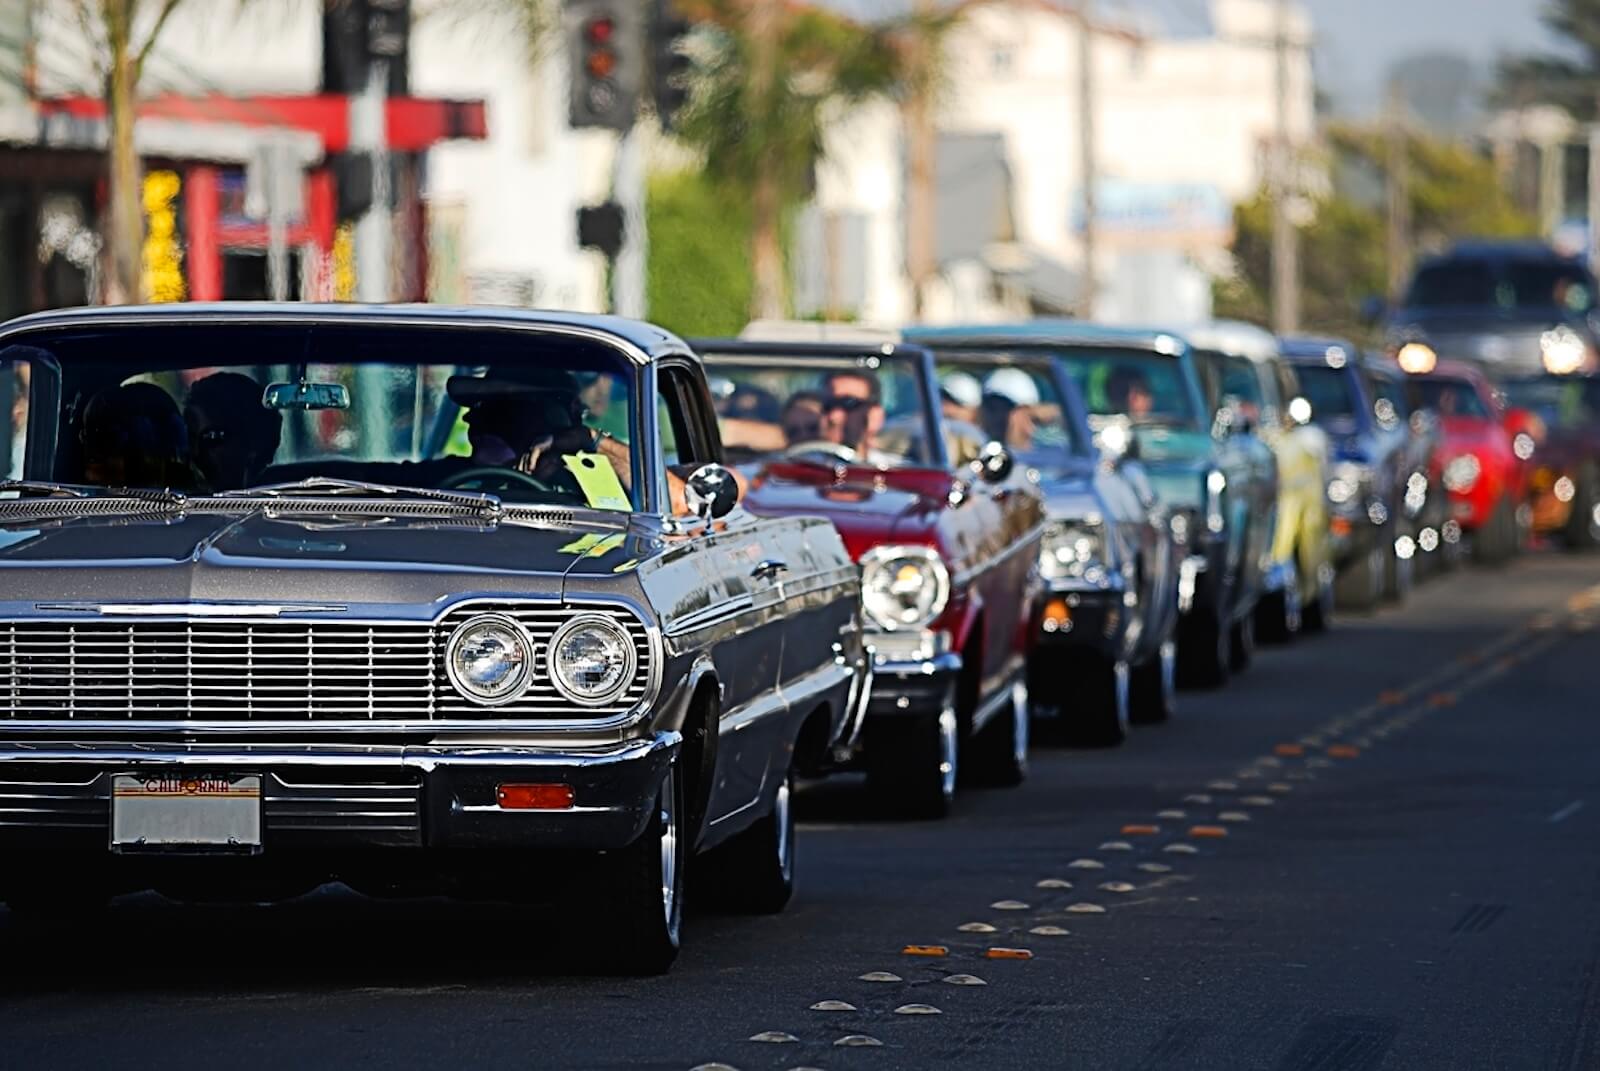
(133, 436)
(233, 437)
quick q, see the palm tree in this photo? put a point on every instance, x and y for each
(122, 34)
(770, 76)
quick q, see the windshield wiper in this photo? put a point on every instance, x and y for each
(477, 501)
(163, 496)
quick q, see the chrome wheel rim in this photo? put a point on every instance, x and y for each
(783, 815)
(1019, 725)
(949, 753)
(669, 851)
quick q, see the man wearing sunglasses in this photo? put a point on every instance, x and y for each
(232, 436)
(852, 411)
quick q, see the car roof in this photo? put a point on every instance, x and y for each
(1233, 337)
(714, 348)
(1304, 348)
(1048, 332)
(643, 342)
(1501, 249)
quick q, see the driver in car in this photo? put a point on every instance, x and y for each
(1129, 393)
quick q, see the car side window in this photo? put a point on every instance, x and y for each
(686, 438)
(14, 380)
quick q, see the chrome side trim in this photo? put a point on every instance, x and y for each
(186, 609)
(1027, 542)
(711, 615)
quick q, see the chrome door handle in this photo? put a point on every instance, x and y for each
(769, 569)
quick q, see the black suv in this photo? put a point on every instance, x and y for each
(1512, 308)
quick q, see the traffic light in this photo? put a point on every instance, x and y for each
(669, 62)
(606, 45)
(602, 227)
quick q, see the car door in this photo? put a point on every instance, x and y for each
(741, 568)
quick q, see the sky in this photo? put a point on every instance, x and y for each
(1357, 40)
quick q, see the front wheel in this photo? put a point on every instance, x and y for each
(754, 872)
(912, 763)
(1152, 687)
(1205, 649)
(644, 886)
(1000, 749)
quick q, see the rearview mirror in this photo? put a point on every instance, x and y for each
(711, 492)
(306, 397)
(994, 463)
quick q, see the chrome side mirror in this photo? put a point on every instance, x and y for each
(711, 492)
(994, 463)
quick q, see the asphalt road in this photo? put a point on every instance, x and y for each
(1378, 849)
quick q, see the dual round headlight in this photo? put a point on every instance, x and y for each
(490, 659)
(903, 587)
(1070, 551)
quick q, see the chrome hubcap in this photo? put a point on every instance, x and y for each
(782, 815)
(949, 752)
(669, 851)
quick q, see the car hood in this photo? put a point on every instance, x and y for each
(249, 556)
(1070, 493)
(1179, 480)
(869, 507)
(1505, 342)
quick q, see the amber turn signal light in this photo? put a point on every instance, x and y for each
(534, 797)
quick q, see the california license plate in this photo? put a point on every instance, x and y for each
(206, 812)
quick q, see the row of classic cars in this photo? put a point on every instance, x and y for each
(530, 605)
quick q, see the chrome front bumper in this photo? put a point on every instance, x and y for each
(400, 795)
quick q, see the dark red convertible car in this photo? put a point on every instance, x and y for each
(946, 530)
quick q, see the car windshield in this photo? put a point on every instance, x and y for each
(1148, 388)
(1019, 405)
(1332, 394)
(1516, 284)
(869, 409)
(516, 415)
(1560, 403)
(1448, 397)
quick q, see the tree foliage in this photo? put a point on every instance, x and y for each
(1570, 79)
(1454, 194)
(698, 276)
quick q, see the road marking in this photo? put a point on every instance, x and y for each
(1344, 751)
(858, 1041)
(1197, 797)
(1116, 886)
(1172, 812)
(1086, 864)
(1052, 883)
(976, 927)
(964, 979)
(1155, 868)
(1567, 812)
(917, 1009)
(1140, 831)
(881, 976)
(774, 1037)
(1207, 831)
(1279, 787)
(1258, 801)
(1085, 908)
(1181, 848)
(1223, 786)
(1116, 846)
(932, 951)
(1049, 931)
(833, 1006)
(1230, 816)
(1008, 953)
(1009, 905)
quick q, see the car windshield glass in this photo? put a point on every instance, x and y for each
(1149, 388)
(1518, 284)
(1331, 392)
(509, 414)
(868, 409)
(1560, 403)
(1448, 398)
(1019, 405)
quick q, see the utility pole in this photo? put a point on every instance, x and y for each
(921, 167)
(1285, 240)
(374, 229)
(1594, 195)
(1088, 166)
(628, 285)
(1397, 179)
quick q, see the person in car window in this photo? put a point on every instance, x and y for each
(1009, 398)
(852, 411)
(133, 436)
(1128, 393)
(232, 436)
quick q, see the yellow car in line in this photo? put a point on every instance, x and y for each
(1254, 391)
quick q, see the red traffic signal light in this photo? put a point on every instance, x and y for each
(600, 31)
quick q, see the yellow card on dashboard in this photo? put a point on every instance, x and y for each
(601, 487)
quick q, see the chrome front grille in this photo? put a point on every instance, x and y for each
(219, 670)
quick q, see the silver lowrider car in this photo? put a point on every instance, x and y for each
(420, 600)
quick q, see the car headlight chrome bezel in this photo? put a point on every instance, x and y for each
(1461, 473)
(1072, 550)
(559, 671)
(520, 653)
(934, 584)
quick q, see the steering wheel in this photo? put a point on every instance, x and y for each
(491, 480)
(822, 447)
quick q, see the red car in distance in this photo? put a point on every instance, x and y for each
(1482, 459)
(946, 532)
